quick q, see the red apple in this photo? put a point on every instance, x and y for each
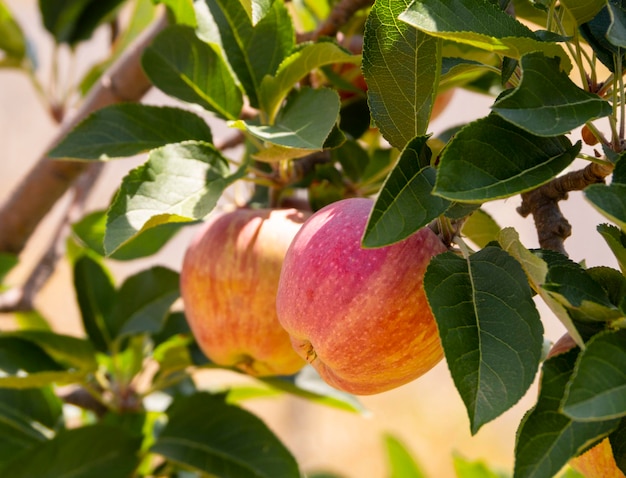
(228, 284)
(359, 316)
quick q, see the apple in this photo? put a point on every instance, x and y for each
(359, 316)
(597, 462)
(228, 283)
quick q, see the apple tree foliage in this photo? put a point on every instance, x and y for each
(258, 67)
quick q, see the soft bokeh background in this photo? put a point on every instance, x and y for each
(427, 415)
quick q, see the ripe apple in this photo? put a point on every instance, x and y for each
(597, 462)
(359, 316)
(228, 284)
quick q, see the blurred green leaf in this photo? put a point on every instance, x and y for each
(124, 130)
(582, 10)
(400, 98)
(171, 63)
(12, 40)
(86, 452)
(481, 228)
(253, 51)
(480, 24)
(208, 435)
(596, 391)
(489, 327)
(492, 159)
(546, 438)
(547, 102)
(178, 184)
(183, 11)
(473, 469)
(7, 262)
(400, 461)
(405, 203)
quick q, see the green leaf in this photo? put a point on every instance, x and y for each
(536, 270)
(582, 10)
(401, 463)
(609, 200)
(353, 158)
(73, 22)
(96, 450)
(124, 130)
(171, 63)
(596, 32)
(253, 51)
(45, 357)
(7, 262)
(274, 89)
(12, 40)
(183, 11)
(617, 439)
(489, 327)
(473, 469)
(547, 102)
(405, 203)
(143, 301)
(547, 438)
(96, 295)
(482, 25)
(179, 183)
(205, 433)
(598, 387)
(481, 228)
(400, 97)
(616, 239)
(493, 159)
(616, 32)
(305, 122)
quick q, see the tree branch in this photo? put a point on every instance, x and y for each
(543, 204)
(48, 180)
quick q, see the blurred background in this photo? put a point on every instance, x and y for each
(427, 415)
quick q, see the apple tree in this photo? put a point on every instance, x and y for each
(284, 78)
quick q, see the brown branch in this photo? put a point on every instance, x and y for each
(48, 180)
(339, 16)
(543, 204)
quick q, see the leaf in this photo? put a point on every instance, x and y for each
(124, 130)
(171, 63)
(305, 122)
(595, 32)
(12, 40)
(617, 440)
(96, 450)
(609, 200)
(405, 203)
(73, 22)
(481, 228)
(490, 330)
(473, 469)
(401, 97)
(547, 438)
(480, 24)
(493, 159)
(598, 386)
(206, 434)
(252, 51)
(616, 240)
(179, 183)
(96, 295)
(616, 32)
(536, 270)
(274, 89)
(582, 10)
(547, 102)
(401, 463)
(143, 301)
(7, 262)
(183, 11)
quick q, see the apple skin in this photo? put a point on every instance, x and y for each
(228, 284)
(597, 462)
(359, 316)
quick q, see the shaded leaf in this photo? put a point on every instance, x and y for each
(547, 438)
(616, 32)
(597, 389)
(491, 159)
(96, 450)
(207, 434)
(124, 130)
(171, 63)
(481, 228)
(609, 200)
(489, 327)
(582, 10)
(179, 183)
(400, 97)
(616, 239)
(547, 102)
(405, 203)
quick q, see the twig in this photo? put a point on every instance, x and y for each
(339, 16)
(48, 180)
(543, 204)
